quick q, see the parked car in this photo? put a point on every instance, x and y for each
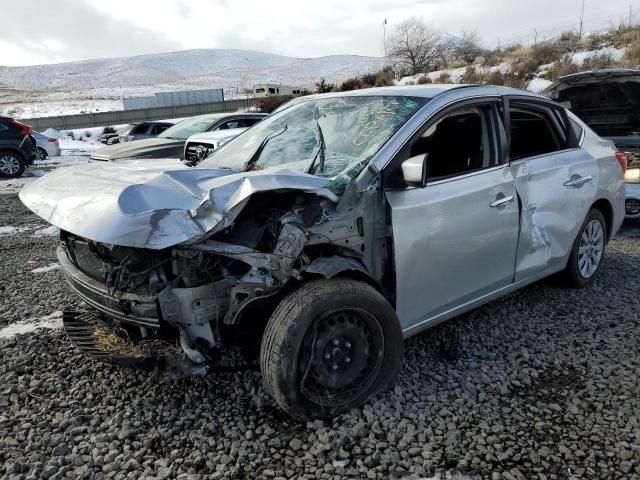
(17, 147)
(170, 143)
(609, 102)
(200, 146)
(334, 228)
(144, 130)
(46, 146)
(109, 138)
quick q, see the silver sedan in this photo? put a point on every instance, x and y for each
(46, 146)
(335, 228)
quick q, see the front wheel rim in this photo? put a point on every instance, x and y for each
(9, 165)
(341, 356)
(591, 248)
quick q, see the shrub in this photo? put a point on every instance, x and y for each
(444, 78)
(632, 55)
(472, 75)
(495, 78)
(525, 68)
(87, 133)
(385, 77)
(269, 104)
(71, 135)
(350, 84)
(547, 52)
(108, 130)
(423, 79)
(562, 67)
(597, 62)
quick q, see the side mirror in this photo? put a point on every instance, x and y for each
(414, 170)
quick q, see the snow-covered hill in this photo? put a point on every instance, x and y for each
(99, 85)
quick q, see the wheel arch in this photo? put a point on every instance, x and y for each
(12, 149)
(338, 266)
(604, 206)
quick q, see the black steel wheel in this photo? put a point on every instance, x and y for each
(329, 347)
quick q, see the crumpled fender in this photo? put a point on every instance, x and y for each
(329, 267)
(155, 206)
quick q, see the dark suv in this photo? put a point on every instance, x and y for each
(17, 147)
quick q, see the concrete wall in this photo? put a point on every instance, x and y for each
(99, 119)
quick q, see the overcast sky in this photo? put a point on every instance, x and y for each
(52, 31)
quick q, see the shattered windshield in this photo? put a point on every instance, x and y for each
(329, 137)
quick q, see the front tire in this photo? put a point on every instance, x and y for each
(587, 253)
(12, 165)
(329, 347)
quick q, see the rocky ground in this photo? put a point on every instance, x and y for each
(546, 385)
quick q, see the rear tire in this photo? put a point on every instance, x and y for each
(587, 253)
(42, 153)
(12, 165)
(329, 347)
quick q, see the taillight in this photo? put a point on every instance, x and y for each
(622, 159)
(24, 129)
(53, 140)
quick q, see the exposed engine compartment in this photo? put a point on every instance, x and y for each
(203, 288)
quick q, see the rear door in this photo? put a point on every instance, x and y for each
(556, 182)
(454, 238)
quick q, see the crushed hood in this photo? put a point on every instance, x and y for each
(153, 206)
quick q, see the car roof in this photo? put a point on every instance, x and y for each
(429, 91)
(220, 116)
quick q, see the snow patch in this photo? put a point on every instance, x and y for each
(537, 85)
(52, 322)
(51, 231)
(7, 231)
(50, 268)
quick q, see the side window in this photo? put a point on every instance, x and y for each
(158, 129)
(272, 90)
(140, 129)
(251, 121)
(230, 124)
(577, 129)
(532, 133)
(461, 142)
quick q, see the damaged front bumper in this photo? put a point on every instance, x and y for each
(129, 308)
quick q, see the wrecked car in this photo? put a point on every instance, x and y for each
(325, 235)
(609, 102)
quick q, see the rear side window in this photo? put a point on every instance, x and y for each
(577, 130)
(532, 133)
(140, 129)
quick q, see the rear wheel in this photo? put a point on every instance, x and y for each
(12, 165)
(42, 153)
(329, 347)
(588, 251)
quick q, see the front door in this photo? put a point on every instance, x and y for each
(455, 238)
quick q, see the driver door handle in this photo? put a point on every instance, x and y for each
(577, 181)
(502, 201)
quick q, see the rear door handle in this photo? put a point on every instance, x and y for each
(501, 201)
(576, 181)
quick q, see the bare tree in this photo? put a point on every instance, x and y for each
(416, 46)
(467, 47)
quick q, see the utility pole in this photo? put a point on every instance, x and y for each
(535, 38)
(384, 36)
(581, 20)
(630, 15)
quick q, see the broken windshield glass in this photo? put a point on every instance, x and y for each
(345, 131)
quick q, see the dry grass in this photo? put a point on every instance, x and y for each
(117, 343)
(444, 78)
(423, 79)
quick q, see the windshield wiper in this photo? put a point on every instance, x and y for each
(256, 155)
(321, 151)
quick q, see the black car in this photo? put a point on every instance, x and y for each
(17, 147)
(170, 143)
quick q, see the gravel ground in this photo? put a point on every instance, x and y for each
(545, 386)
